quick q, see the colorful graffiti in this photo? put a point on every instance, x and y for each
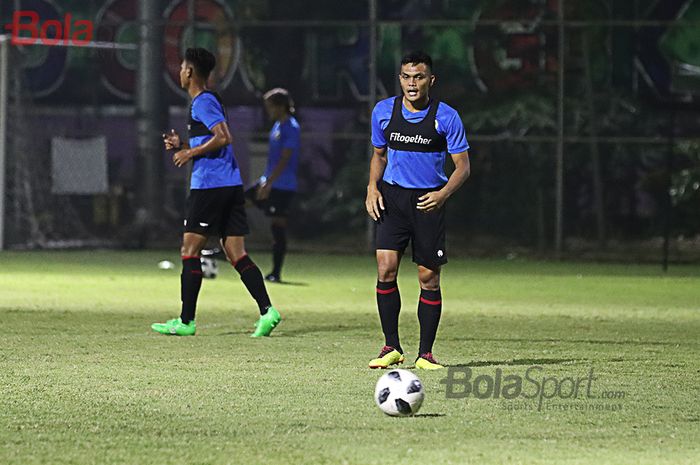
(215, 34)
(515, 54)
(116, 21)
(329, 65)
(44, 67)
(670, 56)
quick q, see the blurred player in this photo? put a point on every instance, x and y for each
(412, 134)
(216, 205)
(276, 189)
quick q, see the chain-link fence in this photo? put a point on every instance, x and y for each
(593, 143)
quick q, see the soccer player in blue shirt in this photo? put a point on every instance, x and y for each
(412, 135)
(276, 188)
(216, 205)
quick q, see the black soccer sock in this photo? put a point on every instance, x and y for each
(279, 248)
(389, 305)
(190, 283)
(429, 310)
(253, 280)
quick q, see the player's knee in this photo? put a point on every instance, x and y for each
(235, 258)
(191, 247)
(429, 279)
(386, 275)
(190, 250)
(387, 271)
(387, 266)
(235, 253)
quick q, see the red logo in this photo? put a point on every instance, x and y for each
(27, 29)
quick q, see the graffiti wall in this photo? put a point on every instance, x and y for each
(325, 65)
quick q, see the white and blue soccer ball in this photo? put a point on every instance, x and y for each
(210, 269)
(399, 393)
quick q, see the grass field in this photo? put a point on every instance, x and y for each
(84, 381)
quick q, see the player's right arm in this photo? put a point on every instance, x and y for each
(172, 141)
(210, 112)
(221, 138)
(380, 117)
(375, 202)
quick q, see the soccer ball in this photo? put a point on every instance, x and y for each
(399, 393)
(166, 265)
(209, 267)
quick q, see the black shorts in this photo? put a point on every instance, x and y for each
(276, 205)
(217, 212)
(401, 221)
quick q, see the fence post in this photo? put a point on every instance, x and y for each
(152, 112)
(559, 233)
(4, 72)
(372, 96)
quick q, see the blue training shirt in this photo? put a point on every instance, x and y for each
(215, 169)
(285, 135)
(418, 170)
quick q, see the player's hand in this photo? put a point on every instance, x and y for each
(374, 203)
(182, 157)
(431, 201)
(172, 140)
(263, 192)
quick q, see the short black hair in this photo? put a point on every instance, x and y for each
(416, 57)
(202, 60)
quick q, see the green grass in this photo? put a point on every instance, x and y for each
(84, 381)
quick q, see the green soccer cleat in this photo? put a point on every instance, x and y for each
(266, 323)
(387, 357)
(427, 362)
(175, 327)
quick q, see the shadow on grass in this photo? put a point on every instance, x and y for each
(573, 341)
(516, 362)
(287, 283)
(320, 329)
(428, 415)
(235, 333)
(284, 332)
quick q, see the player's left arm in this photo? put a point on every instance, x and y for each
(266, 186)
(458, 147)
(290, 141)
(222, 137)
(436, 199)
